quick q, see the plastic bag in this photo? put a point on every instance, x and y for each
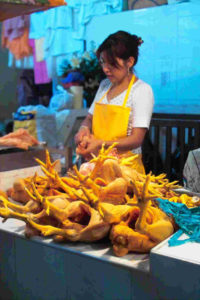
(26, 120)
(187, 219)
(39, 121)
(61, 100)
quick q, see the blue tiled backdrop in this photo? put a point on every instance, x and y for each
(170, 56)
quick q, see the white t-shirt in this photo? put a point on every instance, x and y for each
(140, 100)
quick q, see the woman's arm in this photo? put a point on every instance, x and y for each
(130, 142)
(86, 126)
(84, 130)
(125, 144)
(87, 121)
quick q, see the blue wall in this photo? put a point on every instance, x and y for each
(170, 56)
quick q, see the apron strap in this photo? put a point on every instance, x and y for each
(104, 95)
(127, 93)
(128, 90)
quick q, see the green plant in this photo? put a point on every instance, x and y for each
(88, 65)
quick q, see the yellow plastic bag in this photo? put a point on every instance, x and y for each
(26, 120)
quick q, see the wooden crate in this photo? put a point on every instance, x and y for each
(168, 142)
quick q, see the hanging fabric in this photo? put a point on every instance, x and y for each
(15, 36)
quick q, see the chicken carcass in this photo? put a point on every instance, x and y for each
(83, 223)
(141, 233)
(19, 138)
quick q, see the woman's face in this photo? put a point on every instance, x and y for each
(114, 73)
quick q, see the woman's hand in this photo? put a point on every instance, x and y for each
(83, 133)
(93, 146)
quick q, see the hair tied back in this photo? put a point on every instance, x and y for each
(140, 41)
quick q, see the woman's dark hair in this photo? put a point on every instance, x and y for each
(120, 45)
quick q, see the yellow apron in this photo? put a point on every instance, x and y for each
(110, 122)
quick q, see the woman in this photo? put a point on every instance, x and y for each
(122, 108)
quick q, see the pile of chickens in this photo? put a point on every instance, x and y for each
(105, 197)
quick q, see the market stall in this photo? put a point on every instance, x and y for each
(99, 263)
(78, 267)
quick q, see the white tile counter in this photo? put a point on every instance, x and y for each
(176, 270)
(40, 269)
